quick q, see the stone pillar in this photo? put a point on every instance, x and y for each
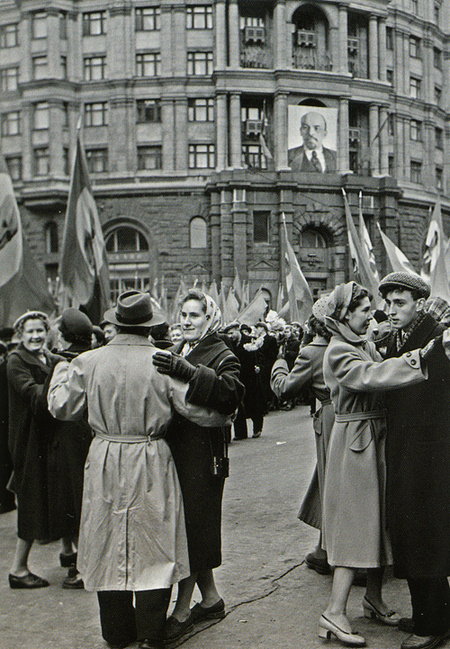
(382, 48)
(179, 48)
(214, 216)
(27, 148)
(221, 35)
(181, 140)
(402, 159)
(240, 216)
(384, 140)
(428, 77)
(235, 131)
(343, 39)
(343, 162)
(373, 47)
(222, 131)
(122, 144)
(429, 170)
(233, 32)
(400, 67)
(281, 130)
(281, 34)
(167, 130)
(53, 45)
(334, 47)
(55, 138)
(226, 235)
(24, 40)
(374, 143)
(166, 41)
(119, 42)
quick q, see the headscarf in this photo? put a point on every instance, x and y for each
(339, 301)
(320, 308)
(212, 324)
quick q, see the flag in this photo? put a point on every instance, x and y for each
(262, 138)
(255, 311)
(399, 262)
(23, 286)
(237, 285)
(361, 262)
(245, 295)
(83, 268)
(434, 267)
(232, 306)
(280, 298)
(366, 242)
(297, 289)
(213, 292)
(181, 291)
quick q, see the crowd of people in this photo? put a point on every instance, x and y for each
(117, 440)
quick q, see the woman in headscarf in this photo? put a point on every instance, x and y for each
(204, 361)
(354, 512)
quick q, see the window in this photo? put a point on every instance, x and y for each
(51, 237)
(416, 171)
(391, 123)
(253, 156)
(148, 111)
(41, 161)
(390, 76)
(63, 20)
(63, 61)
(389, 38)
(439, 138)
(94, 68)
(311, 238)
(439, 178)
(41, 116)
(199, 17)
(391, 166)
(415, 131)
(437, 95)
(126, 239)
(94, 23)
(148, 64)
(39, 25)
(414, 47)
(199, 63)
(149, 157)
(14, 164)
(65, 109)
(11, 123)
(9, 35)
(437, 12)
(96, 114)
(197, 232)
(437, 58)
(9, 79)
(97, 160)
(415, 7)
(414, 88)
(201, 156)
(39, 67)
(261, 227)
(66, 166)
(147, 19)
(201, 110)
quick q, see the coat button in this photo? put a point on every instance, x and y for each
(413, 361)
(408, 354)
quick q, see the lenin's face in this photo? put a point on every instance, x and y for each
(313, 129)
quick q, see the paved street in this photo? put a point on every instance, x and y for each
(273, 600)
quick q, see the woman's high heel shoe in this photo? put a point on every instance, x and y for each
(390, 618)
(328, 628)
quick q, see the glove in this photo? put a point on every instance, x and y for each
(173, 365)
(382, 333)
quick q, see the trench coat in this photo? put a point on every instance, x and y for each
(418, 463)
(31, 433)
(308, 371)
(132, 532)
(196, 449)
(354, 512)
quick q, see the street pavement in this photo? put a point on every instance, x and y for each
(273, 601)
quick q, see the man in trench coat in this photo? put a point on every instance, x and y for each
(418, 464)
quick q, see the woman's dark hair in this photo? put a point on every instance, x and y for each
(195, 294)
(318, 327)
(358, 295)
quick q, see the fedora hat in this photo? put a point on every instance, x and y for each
(133, 309)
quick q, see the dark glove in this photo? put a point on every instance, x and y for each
(173, 365)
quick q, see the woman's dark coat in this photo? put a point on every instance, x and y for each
(31, 432)
(418, 464)
(215, 385)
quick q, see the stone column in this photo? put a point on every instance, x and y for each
(343, 39)
(222, 131)
(382, 48)
(428, 77)
(55, 139)
(343, 162)
(226, 235)
(429, 170)
(179, 48)
(167, 130)
(233, 32)
(384, 140)
(281, 130)
(181, 140)
(236, 128)
(402, 154)
(27, 148)
(402, 64)
(240, 216)
(166, 41)
(214, 215)
(53, 45)
(221, 35)
(281, 34)
(374, 143)
(25, 72)
(119, 42)
(373, 47)
(122, 144)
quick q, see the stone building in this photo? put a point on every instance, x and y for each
(188, 110)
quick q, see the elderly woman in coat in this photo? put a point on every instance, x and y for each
(132, 533)
(354, 510)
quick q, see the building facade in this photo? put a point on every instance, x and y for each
(192, 114)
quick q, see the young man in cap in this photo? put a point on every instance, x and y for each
(418, 464)
(132, 532)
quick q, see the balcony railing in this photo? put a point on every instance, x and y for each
(310, 59)
(253, 56)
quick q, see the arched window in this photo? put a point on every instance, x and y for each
(197, 232)
(311, 238)
(51, 237)
(128, 260)
(126, 239)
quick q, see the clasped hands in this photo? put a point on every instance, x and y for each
(174, 365)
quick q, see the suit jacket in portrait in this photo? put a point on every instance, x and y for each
(298, 160)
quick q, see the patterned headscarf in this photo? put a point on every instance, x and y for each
(339, 301)
(212, 324)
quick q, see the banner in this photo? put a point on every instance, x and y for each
(398, 261)
(297, 289)
(434, 267)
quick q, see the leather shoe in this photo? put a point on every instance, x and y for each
(214, 612)
(406, 624)
(150, 644)
(174, 629)
(73, 580)
(424, 642)
(28, 581)
(390, 618)
(327, 628)
(319, 565)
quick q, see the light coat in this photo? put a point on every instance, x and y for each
(132, 534)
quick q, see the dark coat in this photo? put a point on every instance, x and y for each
(216, 385)
(418, 464)
(298, 161)
(31, 433)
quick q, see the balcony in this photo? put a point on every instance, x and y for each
(307, 58)
(254, 56)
